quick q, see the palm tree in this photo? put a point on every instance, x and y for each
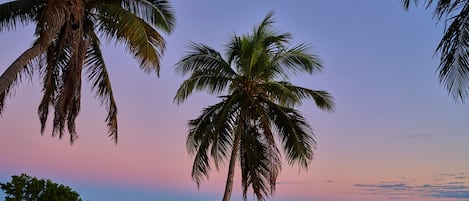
(256, 107)
(454, 46)
(67, 43)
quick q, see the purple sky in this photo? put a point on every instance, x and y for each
(395, 134)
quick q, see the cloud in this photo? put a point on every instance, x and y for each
(446, 186)
(420, 135)
(293, 182)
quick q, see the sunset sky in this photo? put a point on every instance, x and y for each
(395, 133)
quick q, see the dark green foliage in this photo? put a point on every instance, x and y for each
(67, 44)
(257, 107)
(454, 45)
(27, 188)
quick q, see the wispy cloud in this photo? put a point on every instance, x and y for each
(294, 182)
(447, 186)
(420, 135)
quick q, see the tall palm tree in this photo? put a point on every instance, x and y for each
(256, 107)
(454, 46)
(67, 43)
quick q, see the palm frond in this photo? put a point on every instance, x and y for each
(213, 84)
(50, 72)
(224, 123)
(274, 163)
(254, 163)
(68, 99)
(454, 60)
(406, 3)
(100, 82)
(279, 92)
(322, 99)
(202, 58)
(209, 71)
(453, 47)
(140, 38)
(26, 72)
(15, 13)
(294, 132)
(211, 131)
(157, 13)
(298, 60)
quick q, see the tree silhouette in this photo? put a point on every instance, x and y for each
(256, 107)
(27, 188)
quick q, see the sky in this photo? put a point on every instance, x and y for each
(395, 133)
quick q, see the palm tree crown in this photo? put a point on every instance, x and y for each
(67, 42)
(454, 46)
(256, 107)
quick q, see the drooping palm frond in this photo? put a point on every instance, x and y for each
(211, 133)
(157, 13)
(101, 83)
(454, 59)
(294, 132)
(254, 163)
(259, 156)
(322, 99)
(26, 72)
(140, 38)
(454, 45)
(55, 61)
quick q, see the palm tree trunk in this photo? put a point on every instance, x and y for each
(19, 64)
(231, 169)
(52, 18)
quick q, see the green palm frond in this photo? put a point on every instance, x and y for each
(211, 132)
(140, 38)
(214, 84)
(254, 163)
(157, 13)
(322, 99)
(202, 58)
(208, 69)
(298, 60)
(272, 153)
(280, 93)
(224, 124)
(265, 27)
(100, 82)
(454, 60)
(294, 132)
(453, 47)
(15, 13)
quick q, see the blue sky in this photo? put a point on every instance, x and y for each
(395, 133)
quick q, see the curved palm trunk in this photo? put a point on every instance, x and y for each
(51, 20)
(231, 169)
(19, 64)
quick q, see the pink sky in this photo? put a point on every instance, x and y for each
(395, 132)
